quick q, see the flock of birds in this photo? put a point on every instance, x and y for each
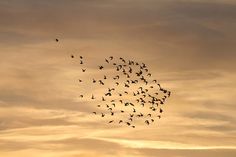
(132, 88)
(130, 93)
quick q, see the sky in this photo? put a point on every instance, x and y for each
(189, 46)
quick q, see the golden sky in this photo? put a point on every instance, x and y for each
(189, 46)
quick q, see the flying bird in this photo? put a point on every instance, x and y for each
(101, 67)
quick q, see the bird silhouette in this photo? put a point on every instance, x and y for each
(101, 82)
(108, 94)
(161, 110)
(94, 81)
(147, 122)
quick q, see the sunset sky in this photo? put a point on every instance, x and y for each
(188, 45)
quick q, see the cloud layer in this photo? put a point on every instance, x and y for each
(188, 45)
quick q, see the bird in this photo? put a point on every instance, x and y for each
(161, 110)
(134, 110)
(147, 122)
(103, 115)
(126, 85)
(56, 40)
(80, 80)
(100, 81)
(111, 121)
(72, 56)
(81, 57)
(126, 104)
(130, 70)
(108, 94)
(120, 121)
(81, 62)
(111, 57)
(94, 113)
(81, 96)
(94, 81)
(131, 104)
(105, 77)
(101, 67)
(83, 70)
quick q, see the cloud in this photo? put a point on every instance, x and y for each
(188, 45)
